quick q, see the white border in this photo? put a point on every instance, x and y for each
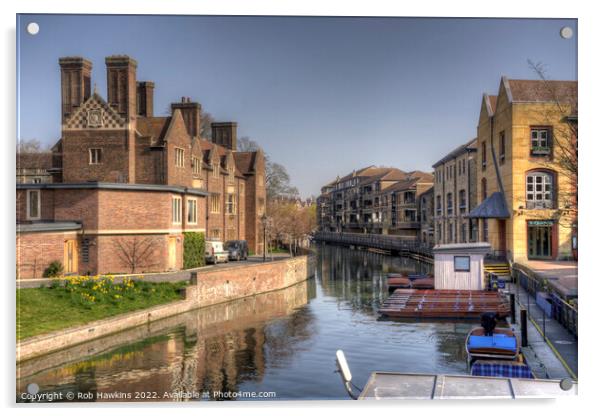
(590, 150)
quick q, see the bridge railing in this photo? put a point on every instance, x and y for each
(384, 242)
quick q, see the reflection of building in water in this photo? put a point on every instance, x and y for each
(214, 349)
(359, 277)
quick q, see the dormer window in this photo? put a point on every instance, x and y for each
(215, 167)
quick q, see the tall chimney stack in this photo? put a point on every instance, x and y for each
(191, 112)
(224, 134)
(145, 98)
(121, 85)
(76, 74)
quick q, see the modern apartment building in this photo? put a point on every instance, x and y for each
(374, 200)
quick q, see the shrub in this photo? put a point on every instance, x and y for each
(194, 250)
(55, 269)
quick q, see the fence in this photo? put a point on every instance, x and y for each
(383, 242)
(552, 304)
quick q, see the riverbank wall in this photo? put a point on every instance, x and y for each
(206, 288)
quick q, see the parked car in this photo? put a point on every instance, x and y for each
(214, 252)
(237, 249)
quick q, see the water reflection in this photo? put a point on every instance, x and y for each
(282, 342)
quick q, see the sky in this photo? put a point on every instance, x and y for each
(321, 95)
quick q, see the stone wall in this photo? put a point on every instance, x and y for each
(212, 287)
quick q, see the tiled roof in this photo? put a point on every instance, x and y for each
(543, 91)
(245, 161)
(492, 101)
(471, 145)
(41, 160)
(153, 127)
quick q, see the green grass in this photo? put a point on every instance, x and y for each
(47, 309)
(279, 250)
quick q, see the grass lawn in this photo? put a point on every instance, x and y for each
(48, 309)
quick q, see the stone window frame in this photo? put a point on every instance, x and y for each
(176, 210)
(539, 150)
(483, 155)
(543, 203)
(196, 165)
(95, 156)
(502, 146)
(462, 200)
(215, 203)
(191, 202)
(231, 205)
(179, 157)
(215, 169)
(38, 207)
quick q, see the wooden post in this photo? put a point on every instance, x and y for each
(512, 309)
(193, 279)
(523, 327)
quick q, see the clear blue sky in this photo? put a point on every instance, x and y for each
(321, 95)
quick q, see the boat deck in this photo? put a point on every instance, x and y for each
(414, 303)
(384, 385)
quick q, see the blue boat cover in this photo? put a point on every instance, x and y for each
(498, 341)
(496, 369)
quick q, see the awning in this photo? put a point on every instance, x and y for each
(494, 206)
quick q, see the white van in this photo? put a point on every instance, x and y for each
(215, 253)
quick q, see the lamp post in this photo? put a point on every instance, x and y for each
(264, 221)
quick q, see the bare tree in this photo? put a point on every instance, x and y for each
(136, 252)
(565, 143)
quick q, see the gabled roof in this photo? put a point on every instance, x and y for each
(40, 160)
(466, 147)
(410, 181)
(494, 206)
(245, 161)
(527, 90)
(110, 119)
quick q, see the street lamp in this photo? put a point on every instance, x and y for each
(264, 221)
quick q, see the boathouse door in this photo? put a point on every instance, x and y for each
(540, 239)
(172, 253)
(70, 260)
(501, 225)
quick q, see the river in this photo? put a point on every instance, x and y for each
(280, 345)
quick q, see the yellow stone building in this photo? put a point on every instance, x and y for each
(526, 184)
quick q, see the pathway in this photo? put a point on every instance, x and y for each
(556, 358)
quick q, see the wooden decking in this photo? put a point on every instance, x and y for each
(413, 303)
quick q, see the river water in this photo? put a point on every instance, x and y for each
(280, 344)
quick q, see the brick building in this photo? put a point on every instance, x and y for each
(455, 195)
(124, 177)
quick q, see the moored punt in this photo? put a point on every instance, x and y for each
(397, 281)
(423, 283)
(502, 344)
(414, 303)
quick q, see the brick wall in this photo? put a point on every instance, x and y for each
(35, 252)
(114, 166)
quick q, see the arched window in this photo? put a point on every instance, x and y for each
(483, 189)
(540, 190)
